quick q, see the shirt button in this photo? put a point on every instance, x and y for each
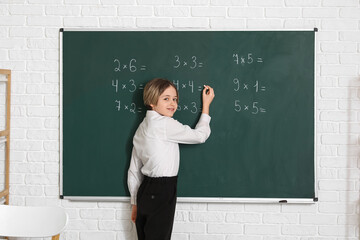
(152, 197)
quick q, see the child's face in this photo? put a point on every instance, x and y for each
(167, 102)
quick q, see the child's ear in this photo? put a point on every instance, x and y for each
(152, 106)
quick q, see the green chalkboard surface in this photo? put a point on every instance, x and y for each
(262, 140)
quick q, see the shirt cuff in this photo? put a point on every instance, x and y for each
(205, 117)
(133, 200)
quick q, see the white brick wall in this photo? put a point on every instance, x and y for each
(29, 46)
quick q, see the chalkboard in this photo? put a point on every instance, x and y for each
(262, 140)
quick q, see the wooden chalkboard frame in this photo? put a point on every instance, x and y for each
(5, 137)
(188, 199)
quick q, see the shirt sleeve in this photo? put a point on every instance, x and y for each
(135, 176)
(177, 132)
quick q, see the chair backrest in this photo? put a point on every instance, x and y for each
(20, 221)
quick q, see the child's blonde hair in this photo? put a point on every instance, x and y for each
(154, 88)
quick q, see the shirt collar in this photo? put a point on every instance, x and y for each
(152, 113)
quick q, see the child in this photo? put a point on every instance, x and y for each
(152, 175)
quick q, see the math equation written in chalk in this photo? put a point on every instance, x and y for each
(123, 86)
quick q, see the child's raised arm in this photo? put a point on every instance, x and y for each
(208, 95)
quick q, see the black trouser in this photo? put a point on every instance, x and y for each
(156, 202)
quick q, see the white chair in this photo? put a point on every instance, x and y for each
(20, 221)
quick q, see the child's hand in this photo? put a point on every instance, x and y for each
(208, 95)
(133, 213)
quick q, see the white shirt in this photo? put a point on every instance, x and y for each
(156, 147)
